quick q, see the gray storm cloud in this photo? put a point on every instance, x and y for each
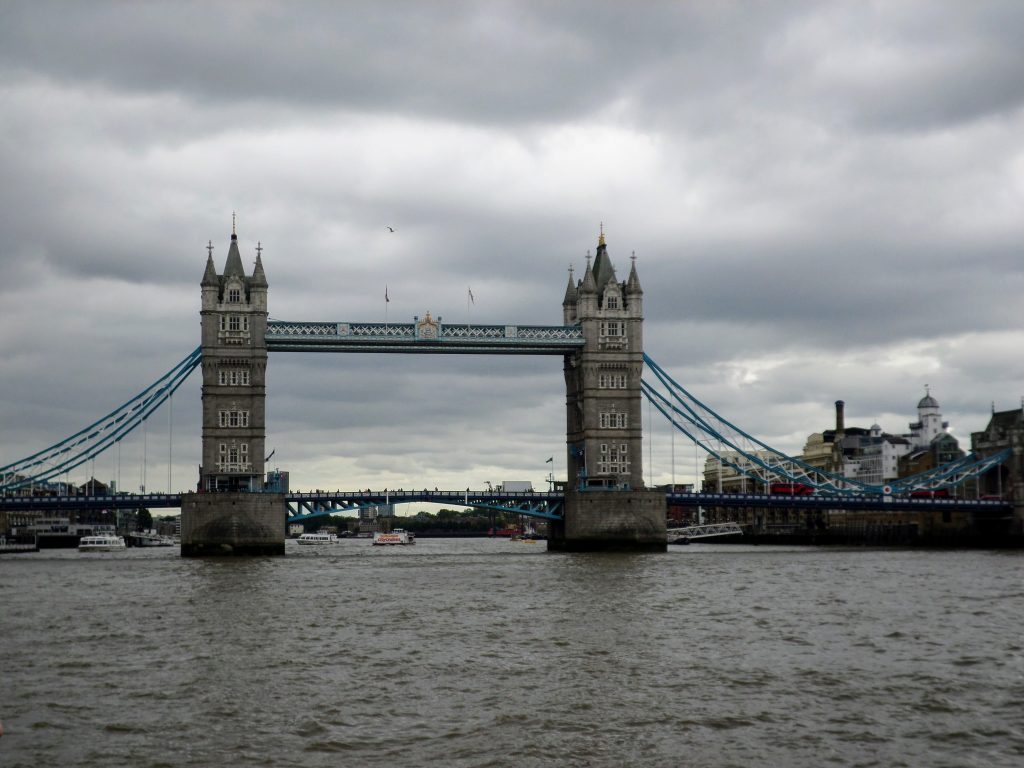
(824, 201)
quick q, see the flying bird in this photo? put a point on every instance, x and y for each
(390, 229)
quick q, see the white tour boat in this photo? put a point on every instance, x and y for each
(104, 543)
(397, 536)
(318, 538)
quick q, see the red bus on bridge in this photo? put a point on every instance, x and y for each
(790, 489)
(941, 493)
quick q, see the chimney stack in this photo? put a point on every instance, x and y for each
(840, 420)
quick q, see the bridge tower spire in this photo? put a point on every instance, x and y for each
(607, 505)
(230, 513)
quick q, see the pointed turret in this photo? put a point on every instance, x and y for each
(210, 279)
(603, 269)
(633, 282)
(233, 266)
(589, 285)
(570, 292)
(569, 303)
(259, 277)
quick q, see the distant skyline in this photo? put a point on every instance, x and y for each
(825, 202)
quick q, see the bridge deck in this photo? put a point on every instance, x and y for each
(824, 502)
(536, 498)
(283, 336)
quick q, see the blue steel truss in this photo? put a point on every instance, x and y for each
(423, 337)
(540, 504)
(719, 438)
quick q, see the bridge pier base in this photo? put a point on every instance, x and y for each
(232, 524)
(611, 521)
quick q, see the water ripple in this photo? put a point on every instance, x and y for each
(480, 653)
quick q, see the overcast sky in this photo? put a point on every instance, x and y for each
(825, 200)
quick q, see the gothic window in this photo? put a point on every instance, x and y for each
(611, 381)
(234, 295)
(234, 418)
(612, 302)
(613, 420)
(234, 457)
(233, 378)
(612, 328)
(234, 323)
(614, 460)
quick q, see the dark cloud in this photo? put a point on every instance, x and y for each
(824, 200)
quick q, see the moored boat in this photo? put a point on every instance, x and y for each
(399, 536)
(103, 543)
(311, 539)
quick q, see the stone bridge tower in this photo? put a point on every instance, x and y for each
(607, 506)
(234, 327)
(230, 514)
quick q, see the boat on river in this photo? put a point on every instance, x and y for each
(102, 543)
(399, 536)
(154, 540)
(317, 539)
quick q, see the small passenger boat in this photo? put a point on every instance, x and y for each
(154, 540)
(318, 538)
(398, 536)
(102, 543)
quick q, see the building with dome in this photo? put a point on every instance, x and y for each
(871, 455)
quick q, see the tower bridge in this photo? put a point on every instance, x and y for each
(605, 505)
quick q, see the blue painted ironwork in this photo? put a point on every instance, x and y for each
(546, 505)
(825, 501)
(100, 501)
(422, 337)
(712, 432)
(91, 441)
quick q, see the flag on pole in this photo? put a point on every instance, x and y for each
(550, 460)
(471, 295)
(386, 299)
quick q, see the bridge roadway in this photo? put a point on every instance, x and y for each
(303, 505)
(546, 504)
(825, 501)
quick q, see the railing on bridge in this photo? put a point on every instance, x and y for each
(825, 501)
(99, 501)
(547, 504)
(431, 337)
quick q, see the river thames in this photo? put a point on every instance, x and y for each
(496, 653)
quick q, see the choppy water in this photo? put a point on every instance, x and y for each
(496, 653)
